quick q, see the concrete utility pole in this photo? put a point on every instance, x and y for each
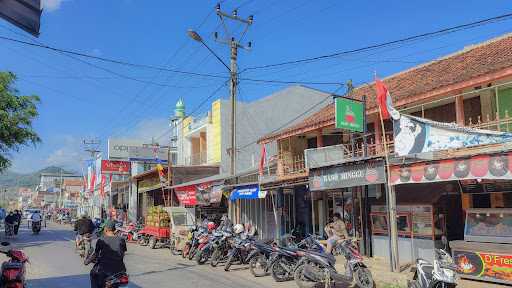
(234, 44)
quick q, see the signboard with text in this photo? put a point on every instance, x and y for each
(115, 167)
(134, 150)
(484, 266)
(347, 176)
(349, 114)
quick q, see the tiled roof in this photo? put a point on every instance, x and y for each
(469, 63)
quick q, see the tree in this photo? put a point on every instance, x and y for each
(16, 115)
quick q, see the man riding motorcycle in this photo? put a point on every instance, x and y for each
(36, 218)
(108, 256)
(336, 231)
(83, 226)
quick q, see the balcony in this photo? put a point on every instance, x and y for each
(290, 166)
(196, 159)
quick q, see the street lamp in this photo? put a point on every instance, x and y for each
(196, 37)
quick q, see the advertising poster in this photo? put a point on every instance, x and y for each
(349, 114)
(484, 265)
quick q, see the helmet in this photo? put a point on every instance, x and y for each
(238, 228)
(211, 226)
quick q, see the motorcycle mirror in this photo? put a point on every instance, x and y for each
(5, 243)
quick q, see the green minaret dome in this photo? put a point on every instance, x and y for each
(179, 111)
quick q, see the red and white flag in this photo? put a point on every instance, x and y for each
(385, 101)
(102, 186)
(93, 181)
(263, 159)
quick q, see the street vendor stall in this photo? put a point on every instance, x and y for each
(156, 230)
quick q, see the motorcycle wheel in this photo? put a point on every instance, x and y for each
(301, 280)
(413, 284)
(152, 242)
(143, 241)
(201, 257)
(258, 265)
(231, 258)
(216, 256)
(278, 272)
(192, 253)
(363, 278)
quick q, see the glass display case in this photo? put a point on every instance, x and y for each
(489, 225)
(380, 223)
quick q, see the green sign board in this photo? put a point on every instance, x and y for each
(349, 114)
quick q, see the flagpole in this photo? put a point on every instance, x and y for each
(391, 203)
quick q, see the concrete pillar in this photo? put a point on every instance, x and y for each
(459, 110)
(319, 138)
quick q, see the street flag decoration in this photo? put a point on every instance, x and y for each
(418, 135)
(385, 101)
(102, 186)
(414, 135)
(263, 159)
(476, 167)
(93, 181)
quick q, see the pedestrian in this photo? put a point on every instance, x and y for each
(109, 256)
(17, 216)
(335, 231)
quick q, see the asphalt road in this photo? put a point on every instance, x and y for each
(54, 264)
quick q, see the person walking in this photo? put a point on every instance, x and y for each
(108, 255)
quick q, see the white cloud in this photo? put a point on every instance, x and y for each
(51, 5)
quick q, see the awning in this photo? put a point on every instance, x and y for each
(497, 166)
(247, 192)
(217, 177)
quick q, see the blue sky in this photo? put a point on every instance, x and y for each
(80, 100)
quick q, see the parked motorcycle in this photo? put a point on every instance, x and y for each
(318, 267)
(260, 258)
(221, 248)
(205, 248)
(13, 270)
(240, 251)
(190, 249)
(441, 274)
(36, 227)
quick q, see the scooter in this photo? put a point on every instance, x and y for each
(85, 246)
(441, 274)
(318, 267)
(221, 248)
(117, 280)
(240, 251)
(36, 227)
(13, 270)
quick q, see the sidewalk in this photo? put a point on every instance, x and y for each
(385, 279)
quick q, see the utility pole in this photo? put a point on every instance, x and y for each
(234, 45)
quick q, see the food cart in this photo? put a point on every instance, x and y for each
(156, 231)
(181, 223)
(486, 251)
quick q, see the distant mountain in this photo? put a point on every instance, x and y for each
(12, 180)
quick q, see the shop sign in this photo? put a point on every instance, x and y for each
(415, 135)
(349, 114)
(347, 176)
(115, 167)
(208, 193)
(483, 265)
(186, 195)
(247, 192)
(133, 150)
(476, 167)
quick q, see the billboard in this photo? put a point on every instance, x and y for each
(115, 167)
(134, 150)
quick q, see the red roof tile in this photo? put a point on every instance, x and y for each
(467, 64)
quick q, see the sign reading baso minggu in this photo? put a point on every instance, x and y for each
(347, 176)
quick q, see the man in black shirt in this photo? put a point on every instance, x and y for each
(83, 226)
(18, 216)
(109, 256)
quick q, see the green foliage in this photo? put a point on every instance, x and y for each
(16, 115)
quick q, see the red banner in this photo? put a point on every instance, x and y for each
(186, 195)
(115, 167)
(476, 167)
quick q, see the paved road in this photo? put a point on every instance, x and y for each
(54, 264)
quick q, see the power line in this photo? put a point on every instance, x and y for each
(389, 43)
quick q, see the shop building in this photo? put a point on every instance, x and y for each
(472, 88)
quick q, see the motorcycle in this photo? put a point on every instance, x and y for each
(117, 280)
(284, 260)
(85, 246)
(201, 242)
(190, 248)
(36, 227)
(318, 267)
(205, 249)
(260, 258)
(221, 249)
(240, 251)
(13, 270)
(441, 274)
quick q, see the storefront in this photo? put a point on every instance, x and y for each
(348, 189)
(467, 199)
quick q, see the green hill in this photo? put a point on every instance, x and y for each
(12, 180)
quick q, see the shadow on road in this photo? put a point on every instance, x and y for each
(181, 267)
(75, 281)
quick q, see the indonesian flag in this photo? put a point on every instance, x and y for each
(385, 101)
(263, 158)
(102, 186)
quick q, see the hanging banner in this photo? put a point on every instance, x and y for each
(186, 195)
(351, 175)
(349, 114)
(418, 135)
(247, 192)
(476, 167)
